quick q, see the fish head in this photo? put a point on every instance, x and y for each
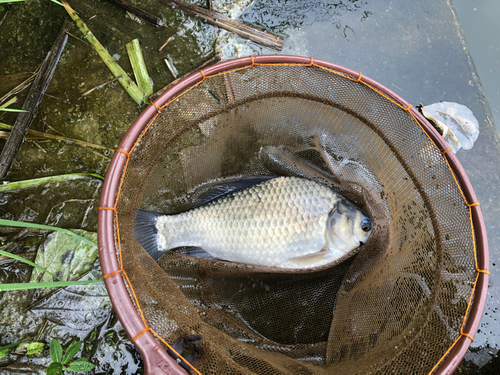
(348, 227)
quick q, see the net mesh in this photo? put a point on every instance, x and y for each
(397, 305)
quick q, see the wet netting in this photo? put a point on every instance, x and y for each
(407, 301)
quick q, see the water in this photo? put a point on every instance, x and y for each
(479, 20)
(417, 49)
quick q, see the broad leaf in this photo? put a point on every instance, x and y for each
(72, 350)
(35, 348)
(66, 256)
(55, 351)
(80, 365)
(55, 368)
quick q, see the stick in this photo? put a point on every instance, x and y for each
(213, 60)
(240, 28)
(172, 71)
(164, 44)
(139, 12)
(35, 94)
(41, 135)
(98, 87)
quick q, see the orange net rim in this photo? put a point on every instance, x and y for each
(143, 337)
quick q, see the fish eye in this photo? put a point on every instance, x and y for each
(366, 225)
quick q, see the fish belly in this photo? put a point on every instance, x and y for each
(266, 224)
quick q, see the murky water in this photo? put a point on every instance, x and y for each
(414, 48)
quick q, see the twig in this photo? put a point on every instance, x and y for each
(240, 28)
(164, 44)
(38, 135)
(170, 68)
(24, 119)
(38, 146)
(213, 60)
(19, 87)
(139, 12)
(81, 40)
(99, 87)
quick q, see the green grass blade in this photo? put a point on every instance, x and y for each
(139, 67)
(55, 284)
(10, 1)
(16, 257)
(12, 110)
(12, 223)
(58, 2)
(133, 90)
(11, 101)
(46, 180)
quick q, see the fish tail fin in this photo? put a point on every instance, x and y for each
(145, 232)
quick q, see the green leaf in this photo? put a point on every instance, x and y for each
(72, 350)
(67, 256)
(80, 365)
(55, 284)
(13, 223)
(16, 257)
(55, 368)
(4, 352)
(35, 348)
(9, 102)
(55, 351)
(46, 180)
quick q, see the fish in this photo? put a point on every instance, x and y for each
(274, 221)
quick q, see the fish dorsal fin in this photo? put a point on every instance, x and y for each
(221, 190)
(310, 259)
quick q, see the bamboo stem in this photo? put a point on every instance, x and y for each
(133, 90)
(139, 67)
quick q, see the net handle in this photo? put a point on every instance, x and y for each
(154, 355)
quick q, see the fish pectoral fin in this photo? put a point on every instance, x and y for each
(310, 258)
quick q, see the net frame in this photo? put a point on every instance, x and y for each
(121, 292)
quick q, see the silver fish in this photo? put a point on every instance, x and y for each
(285, 222)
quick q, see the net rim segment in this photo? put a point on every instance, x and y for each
(156, 359)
